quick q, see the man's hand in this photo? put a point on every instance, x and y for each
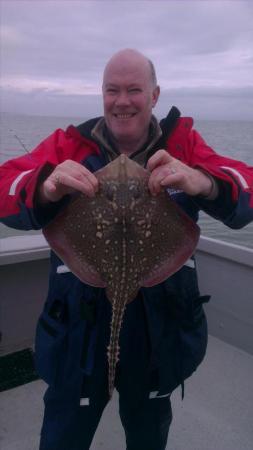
(167, 171)
(67, 178)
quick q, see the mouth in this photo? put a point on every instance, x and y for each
(124, 116)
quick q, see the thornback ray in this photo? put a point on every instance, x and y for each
(121, 239)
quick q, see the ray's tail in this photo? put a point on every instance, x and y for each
(113, 349)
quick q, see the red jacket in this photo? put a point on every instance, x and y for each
(19, 177)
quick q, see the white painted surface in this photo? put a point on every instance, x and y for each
(216, 413)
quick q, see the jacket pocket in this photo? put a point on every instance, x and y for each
(192, 347)
(50, 347)
(183, 345)
(193, 338)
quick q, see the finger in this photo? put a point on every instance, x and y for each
(164, 178)
(171, 179)
(154, 188)
(157, 175)
(50, 185)
(47, 191)
(78, 171)
(159, 158)
(67, 183)
(154, 183)
(92, 179)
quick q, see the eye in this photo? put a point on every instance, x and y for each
(134, 90)
(111, 91)
(134, 190)
(110, 190)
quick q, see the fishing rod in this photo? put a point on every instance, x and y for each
(20, 141)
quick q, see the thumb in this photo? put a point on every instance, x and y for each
(50, 185)
(47, 191)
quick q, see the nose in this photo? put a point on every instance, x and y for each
(122, 99)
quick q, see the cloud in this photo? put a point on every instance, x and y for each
(60, 87)
(59, 48)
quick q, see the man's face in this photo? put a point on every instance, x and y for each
(129, 97)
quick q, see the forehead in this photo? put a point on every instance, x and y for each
(122, 71)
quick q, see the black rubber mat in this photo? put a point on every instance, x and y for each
(17, 369)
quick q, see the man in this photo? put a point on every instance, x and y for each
(164, 336)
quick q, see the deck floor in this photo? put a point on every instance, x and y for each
(216, 413)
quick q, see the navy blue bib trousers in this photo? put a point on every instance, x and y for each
(70, 423)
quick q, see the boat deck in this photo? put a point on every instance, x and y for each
(216, 413)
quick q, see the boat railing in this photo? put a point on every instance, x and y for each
(225, 272)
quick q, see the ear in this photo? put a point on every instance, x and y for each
(155, 96)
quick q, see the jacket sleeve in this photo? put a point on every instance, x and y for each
(19, 179)
(234, 204)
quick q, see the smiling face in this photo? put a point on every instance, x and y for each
(129, 95)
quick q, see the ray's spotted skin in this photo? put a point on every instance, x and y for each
(122, 239)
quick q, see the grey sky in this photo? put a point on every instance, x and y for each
(53, 54)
